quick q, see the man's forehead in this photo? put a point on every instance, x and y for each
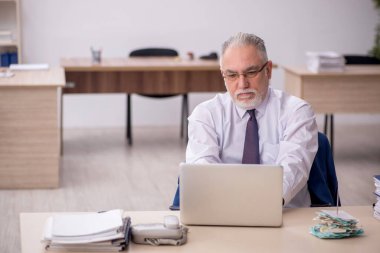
(241, 57)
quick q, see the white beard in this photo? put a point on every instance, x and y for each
(249, 104)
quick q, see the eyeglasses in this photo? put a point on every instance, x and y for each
(233, 76)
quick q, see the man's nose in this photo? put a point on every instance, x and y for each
(243, 81)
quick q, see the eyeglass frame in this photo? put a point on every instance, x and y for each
(250, 74)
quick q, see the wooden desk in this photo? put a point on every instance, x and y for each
(356, 90)
(142, 75)
(29, 134)
(293, 236)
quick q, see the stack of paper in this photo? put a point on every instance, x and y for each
(325, 62)
(106, 231)
(333, 225)
(39, 66)
(376, 212)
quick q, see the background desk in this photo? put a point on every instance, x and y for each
(293, 236)
(147, 75)
(29, 137)
(356, 90)
(142, 75)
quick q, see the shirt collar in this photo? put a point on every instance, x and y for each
(260, 110)
(263, 106)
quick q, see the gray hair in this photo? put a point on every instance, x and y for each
(246, 39)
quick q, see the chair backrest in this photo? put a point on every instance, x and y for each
(175, 205)
(323, 183)
(153, 52)
(361, 60)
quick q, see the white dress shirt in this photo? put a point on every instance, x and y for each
(288, 136)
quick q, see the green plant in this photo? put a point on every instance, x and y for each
(376, 48)
(377, 3)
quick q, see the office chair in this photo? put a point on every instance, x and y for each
(322, 183)
(361, 60)
(156, 52)
(350, 60)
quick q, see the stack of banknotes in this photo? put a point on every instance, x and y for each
(335, 225)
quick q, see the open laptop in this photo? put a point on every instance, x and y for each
(231, 194)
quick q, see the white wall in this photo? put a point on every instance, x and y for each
(67, 28)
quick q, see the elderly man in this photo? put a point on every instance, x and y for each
(253, 123)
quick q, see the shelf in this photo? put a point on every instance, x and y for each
(8, 43)
(10, 28)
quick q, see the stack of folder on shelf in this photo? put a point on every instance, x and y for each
(376, 212)
(87, 232)
(335, 225)
(8, 58)
(325, 62)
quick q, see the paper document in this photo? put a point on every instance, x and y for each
(42, 66)
(325, 62)
(86, 224)
(87, 232)
(341, 214)
(376, 208)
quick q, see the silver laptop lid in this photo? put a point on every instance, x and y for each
(231, 194)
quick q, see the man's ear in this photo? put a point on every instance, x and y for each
(268, 69)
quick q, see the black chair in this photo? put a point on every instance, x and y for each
(361, 60)
(157, 52)
(350, 60)
(322, 183)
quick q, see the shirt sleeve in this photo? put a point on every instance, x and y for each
(297, 149)
(203, 140)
